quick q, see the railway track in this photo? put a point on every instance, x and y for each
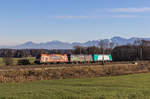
(56, 66)
(44, 66)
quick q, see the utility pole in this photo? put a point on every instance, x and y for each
(102, 46)
(80, 50)
(141, 52)
(103, 56)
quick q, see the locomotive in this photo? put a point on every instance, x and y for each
(70, 58)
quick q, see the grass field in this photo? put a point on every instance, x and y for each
(15, 60)
(118, 87)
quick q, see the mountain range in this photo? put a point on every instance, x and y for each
(64, 45)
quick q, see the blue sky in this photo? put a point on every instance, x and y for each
(72, 20)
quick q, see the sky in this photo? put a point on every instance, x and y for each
(72, 20)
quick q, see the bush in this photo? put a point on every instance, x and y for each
(8, 60)
(37, 62)
(24, 62)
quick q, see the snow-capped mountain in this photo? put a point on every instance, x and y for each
(65, 45)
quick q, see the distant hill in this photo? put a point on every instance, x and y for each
(64, 45)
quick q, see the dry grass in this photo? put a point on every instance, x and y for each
(21, 75)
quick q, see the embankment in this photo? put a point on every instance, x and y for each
(47, 73)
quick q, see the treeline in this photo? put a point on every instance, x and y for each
(35, 52)
(140, 50)
(19, 53)
(137, 51)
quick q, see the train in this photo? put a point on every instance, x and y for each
(70, 58)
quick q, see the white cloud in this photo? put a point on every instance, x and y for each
(76, 17)
(144, 9)
(125, 16)
(93, 17)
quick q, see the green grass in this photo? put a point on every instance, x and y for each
(119, 87)
(15, 60)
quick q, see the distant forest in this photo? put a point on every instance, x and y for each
(140, 50)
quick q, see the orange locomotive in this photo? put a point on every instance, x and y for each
(50, 58)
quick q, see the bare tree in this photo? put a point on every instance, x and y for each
(142, 45)
(8, 60)
(102, 45)
(137, 42)
(111, 46)
(80, 50)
